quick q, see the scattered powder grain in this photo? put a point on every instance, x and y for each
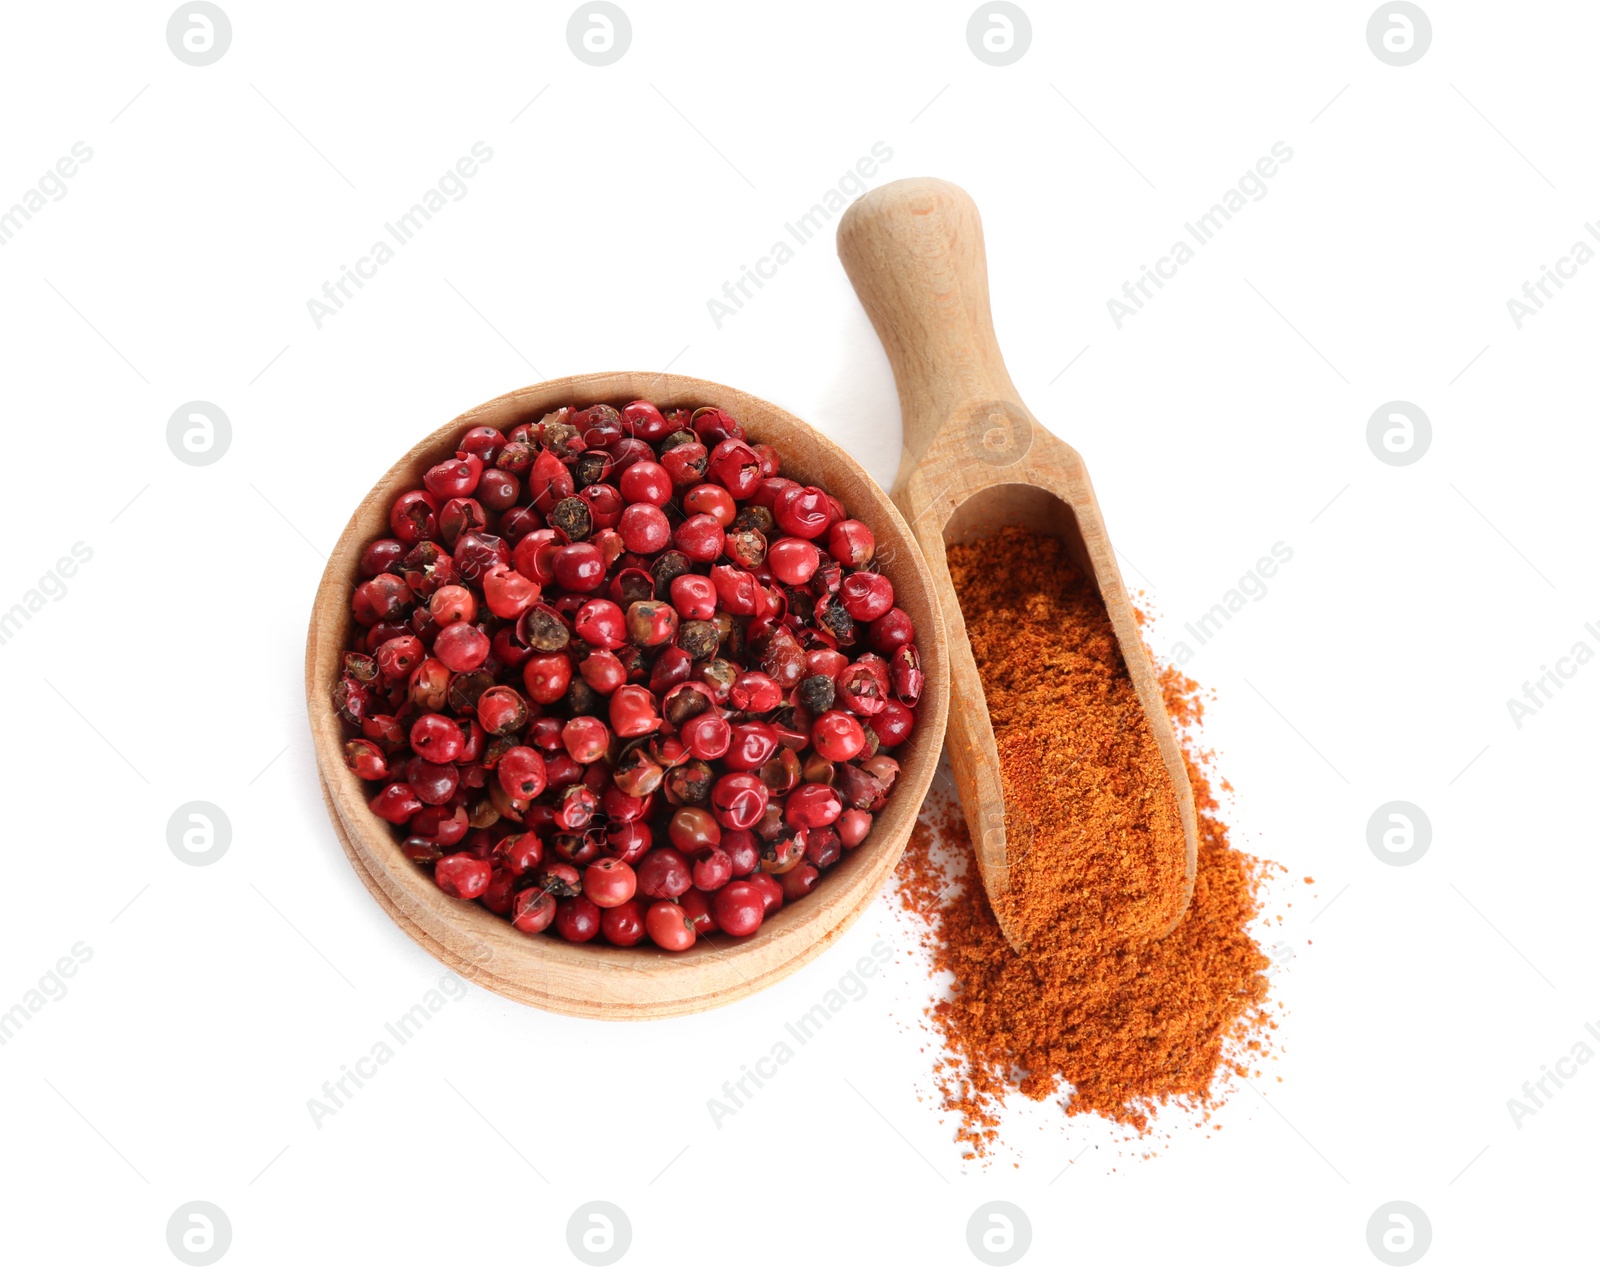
(1095, 1011)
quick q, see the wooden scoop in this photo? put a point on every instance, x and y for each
(975, 460)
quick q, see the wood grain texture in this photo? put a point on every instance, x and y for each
(594, 980)
(974, 460)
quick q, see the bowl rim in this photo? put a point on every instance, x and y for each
(596, 979)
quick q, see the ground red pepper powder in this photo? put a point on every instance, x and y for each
(1095, 1009)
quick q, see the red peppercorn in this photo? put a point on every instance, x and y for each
(437, 737)
(500, 895)
(742, 849)
(533, 910)
(893, 723)
(428, 685)
(825, 661)
(837, 736)
(860, 688)
(706, 735)
(812, 806)
(669, 927)
(802, 512)
(853, 826)
(784, 660)
(415, 517)
(586, 739)
(521, 772)
(629, 841)
(622, 808)
(768, 457)
(485, 442)
(461, 646)
(384, 731)
(755, 692)
(696, 907)
(646, 481)
(476, 553)
(734, 465)
(560, 880)
(426, 567)
(600, 623)
(771, 893)
(380, 598)
(462, 875)
(502, 710)
(623, 925)
(579, 567)
(770, 490)
(450, 604)
(751, 745)
(793, 560)
(398, 656)
(693, 829)
(700, 538)
(577, 919)
(891, 631)
(799, 881)
(642, 419)
(461, 518)
(712, 869)
(905, 672)
(603, 671)
(694, 597)
(545, 733)
(521, 852)
(609, 543)
(519, 452)
(609, 882)
(663, 873)
(396, 803)
(383, 555)
(549, 480)
(518, 522)
(738, 592)
(432, 784)
(444, 826)
(627, 451)
(651, 623)
(455, 477)
(604, 503)
(508, 593)
(575, 807)
(535, 554)
(547, 677)
(644, 527)
(498, 491)
(738, 800)
(866, 595)
(636, 774)
(633, 711)
(738, 908)
(685, 463)
(851, 542)
(366, 759)
(712, 500)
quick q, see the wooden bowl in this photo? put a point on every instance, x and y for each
(593, 979)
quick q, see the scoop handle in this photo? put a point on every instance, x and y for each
(913, 249)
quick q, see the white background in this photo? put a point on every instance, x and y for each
(1225, 417)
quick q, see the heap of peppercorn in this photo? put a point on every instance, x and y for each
(613, 675)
